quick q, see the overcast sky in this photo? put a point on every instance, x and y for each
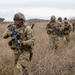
(41, 9)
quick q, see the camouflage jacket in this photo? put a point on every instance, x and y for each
(26, 34)
(56, 24)
(68, 27)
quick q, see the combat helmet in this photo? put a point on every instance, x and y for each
(65, 18)
(19, 16)
(53, 17)
(59, 18)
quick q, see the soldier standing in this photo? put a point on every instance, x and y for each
(26, 44)
(54, 36)
(67, 27)
(73, 24)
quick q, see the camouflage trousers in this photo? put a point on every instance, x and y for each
(21, 65)
(54, 41)
(73, 29)
(66, 39)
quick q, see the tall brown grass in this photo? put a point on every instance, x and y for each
(45, 61)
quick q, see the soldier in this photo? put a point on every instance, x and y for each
(67, 26)
(54, 35)
(73, 24)
(26, 42)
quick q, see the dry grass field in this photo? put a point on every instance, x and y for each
(45, 61)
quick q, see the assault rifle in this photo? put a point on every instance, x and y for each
(55, 30)
(65, 29)
(15, 36)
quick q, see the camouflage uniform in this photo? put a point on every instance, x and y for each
(67, 32)
(26, 46)
(53, 37)
(73, 24)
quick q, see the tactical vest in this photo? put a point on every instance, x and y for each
(67, 31)
(23, 37)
